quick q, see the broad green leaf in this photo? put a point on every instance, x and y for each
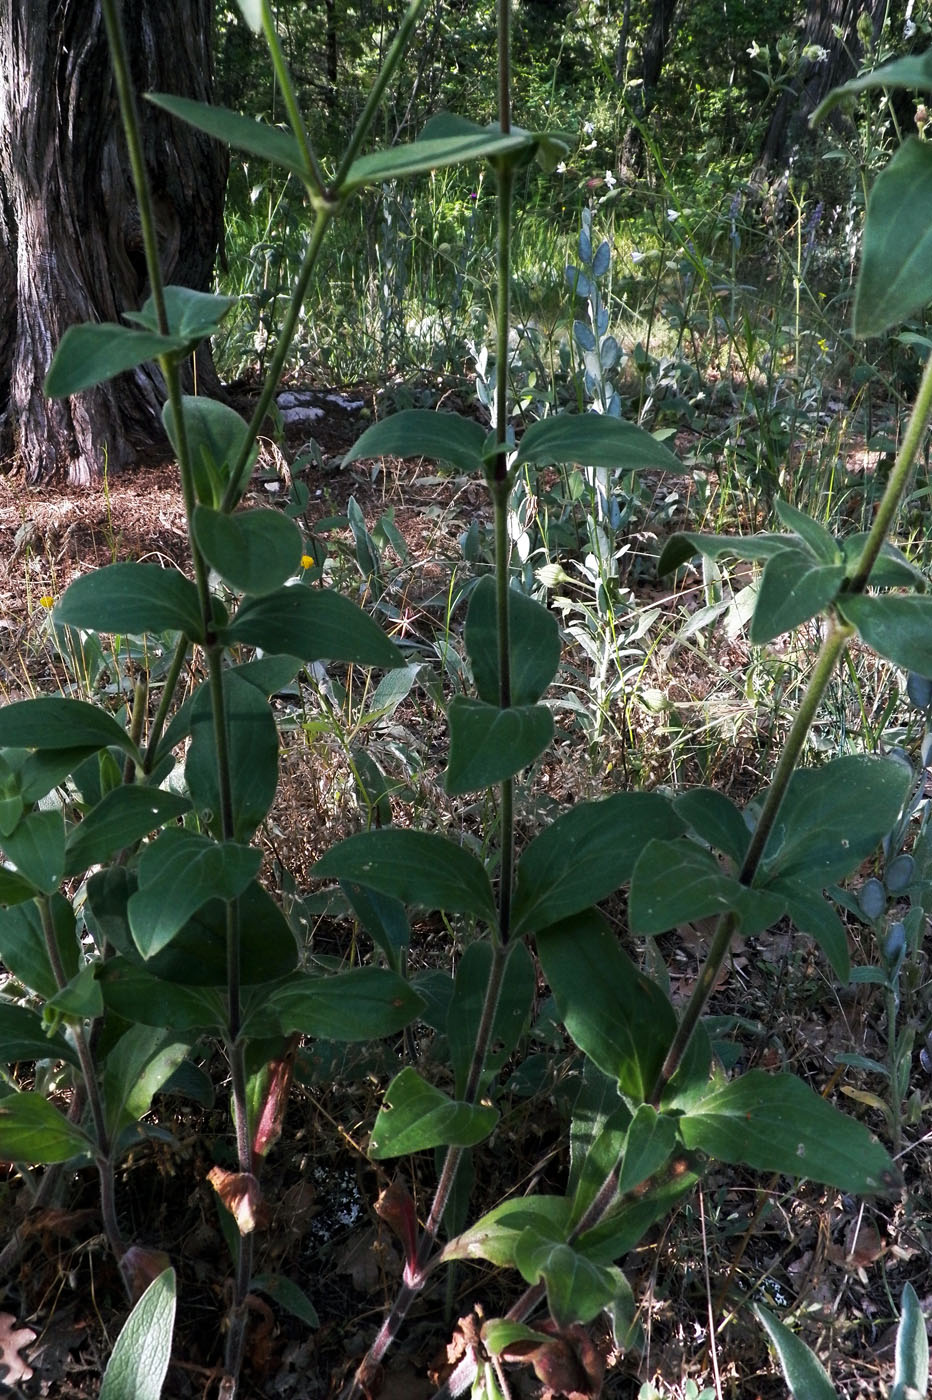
(23, 948)
(793, 589)
(534, 640)
(79, 1000)
(135, 1069)
(495, 1236)
(419, 156)
(52, 722)
(32, 1130)
(815, 916)
(417, 867)
(625, 1224)
(804, 1373)
(643, 1144)
(13, 888)
(896, 263)
(897, 626)
(191, 315)
(650, 1143)
(383, 918)
(616, 1016)
(498, 1334)
(135, 995)
(178, 873)
(585, 855)
(685, 545)
(415, 1116)
(119, 820)
(775, 1123)
(241, 132)
(677, 882)
(550, 147)
(316, 624)
(214, 435)
(421, 432)
(363, 1003)
(833, 817)
(914, 72)
(891, 570)
(44, 769)
(252, 748)
(253, 551)
(595, 439)
(287, 1295)
(23, 1036)
(137, 1367)
(512, 1010)
(716, 819)
(37, 849)
(197, 955)
(820, 541)
(577, 1289)
(911, 1378)
(94, 352)
(488, 744)
(134, 598)
(596, 1105)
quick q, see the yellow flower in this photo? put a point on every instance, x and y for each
(306, 561)
(47, 601)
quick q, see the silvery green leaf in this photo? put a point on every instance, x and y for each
(602, 259)
(919, 690)
(872, 898)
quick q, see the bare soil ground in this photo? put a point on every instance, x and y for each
(841, 1264)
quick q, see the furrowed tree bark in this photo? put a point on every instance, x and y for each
(70, 242)
(647, 71)
(833, 26)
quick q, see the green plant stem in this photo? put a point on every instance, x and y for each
(896, 486)
(837, 638)
(833, 648)
(130, 114)
(236, 483)
(103, 1146)
(168, 695)
(396, 52)
(137, 721)
(286, 86)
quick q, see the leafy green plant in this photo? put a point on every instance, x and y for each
(807, 1378)
(174, 938)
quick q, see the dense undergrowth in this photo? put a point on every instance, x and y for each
(498, 886)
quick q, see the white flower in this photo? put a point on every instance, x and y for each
(588, 128)
(815, 53)
(610, 180)
(637, 257)
(672, 215)
(561, 168)
(591, 146)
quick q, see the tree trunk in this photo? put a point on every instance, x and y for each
(70, 240)
(831, 25)
(649, 67)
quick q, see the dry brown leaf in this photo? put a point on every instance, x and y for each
(241, 1194)
(12, 1366)
(368, 1259)
(140, 1266)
